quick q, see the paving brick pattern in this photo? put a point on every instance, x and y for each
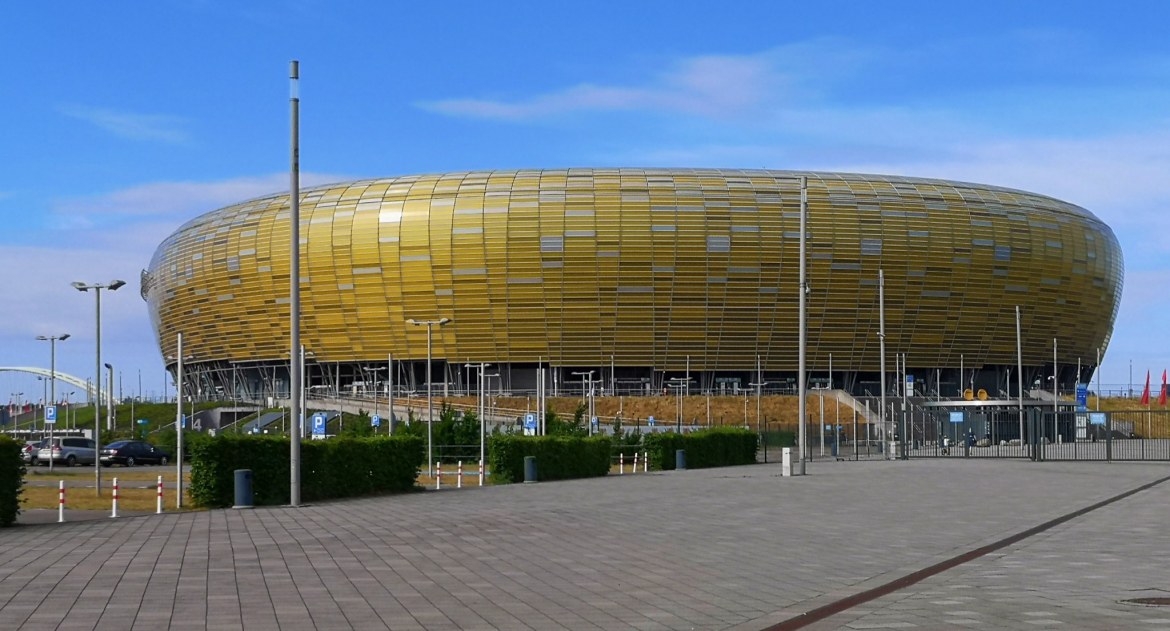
(703, 549)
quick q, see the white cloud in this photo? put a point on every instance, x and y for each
(712, 86)
(150, 127)
(98, 239)
(178, 201)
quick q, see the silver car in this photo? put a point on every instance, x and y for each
(70, 451)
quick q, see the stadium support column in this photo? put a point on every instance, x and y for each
(803, 398)
(294, 296)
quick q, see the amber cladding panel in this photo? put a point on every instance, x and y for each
(648, 266)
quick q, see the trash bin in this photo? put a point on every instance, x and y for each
(243, 497)
(680, 459)
(529, 469)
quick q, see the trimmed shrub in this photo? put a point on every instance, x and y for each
(334, 468)
(11, 480)
(715, 447)
(557, 457)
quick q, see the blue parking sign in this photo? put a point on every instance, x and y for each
(529, 421)
(650, 421)
(50, 414)
(318, 424)
(376, 421)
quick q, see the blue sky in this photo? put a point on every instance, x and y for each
(122, 121)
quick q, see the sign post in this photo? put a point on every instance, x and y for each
(51, 422)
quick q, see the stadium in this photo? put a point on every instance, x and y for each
(637, 279)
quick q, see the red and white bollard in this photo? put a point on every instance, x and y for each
(438, 475)
(645, 462)
(481, 473)
(158, 510)
(621, 463)
(635, 462)
(459, 480)
(114, 513)
(60, 501)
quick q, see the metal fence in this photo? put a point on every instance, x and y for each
(1134, 435)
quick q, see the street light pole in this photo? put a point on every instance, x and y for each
(294, 294)
(1020, 376)
(882, 350)
(179, 422)
(52, 339)
(97, 382)
(803, 397)
(430, 407)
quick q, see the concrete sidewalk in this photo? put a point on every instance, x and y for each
(721, 548)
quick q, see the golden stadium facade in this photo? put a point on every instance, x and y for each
(640, 275)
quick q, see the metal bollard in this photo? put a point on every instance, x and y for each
(158, 510)
(243, 488)
(786, 462)
(481, 473)
(60, 501)
(680, 459)
(529, 469)
(621, 464)
(438, 475)
(459, 474)
(114, 513)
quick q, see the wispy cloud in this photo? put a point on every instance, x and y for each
(158, 202)
(712, 86)
(135, 126)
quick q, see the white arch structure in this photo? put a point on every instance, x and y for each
(67, 378)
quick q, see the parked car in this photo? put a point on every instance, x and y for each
(132, 452)
(70, 451)
(28, 452)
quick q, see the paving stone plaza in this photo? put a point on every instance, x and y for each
(734, 548)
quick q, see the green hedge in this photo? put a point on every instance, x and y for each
(11, 480)
(715, 447)
(557, 457)
(334, 468)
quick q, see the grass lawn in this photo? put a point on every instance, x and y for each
(85, 499)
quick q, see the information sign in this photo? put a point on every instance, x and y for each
(50, 414)
(956, 417)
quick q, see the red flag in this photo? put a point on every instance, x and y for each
(1146, 392)
(1162, 397)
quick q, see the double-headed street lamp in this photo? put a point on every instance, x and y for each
(678, 383)
(97, 381)
(430, 408)
(52, 340)
(587, 395)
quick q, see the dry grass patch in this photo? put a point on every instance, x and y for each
(85, 499)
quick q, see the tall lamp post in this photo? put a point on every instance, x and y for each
(430, 408)
(179, 357)
(52, 340)
(97, 381)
